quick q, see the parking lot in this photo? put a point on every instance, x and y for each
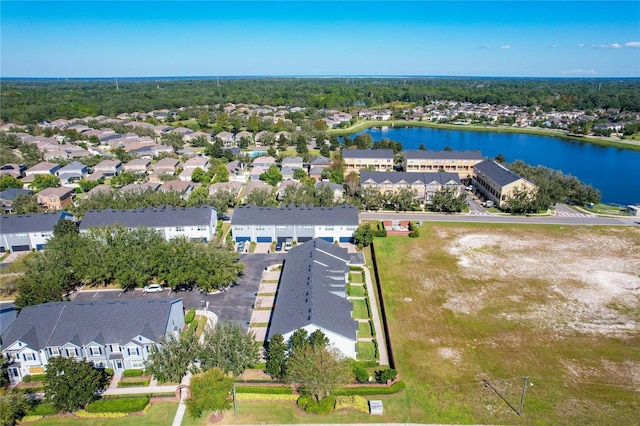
(233, 304)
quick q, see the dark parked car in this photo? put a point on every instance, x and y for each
(278, 246)
(184, 287)
(226, 218)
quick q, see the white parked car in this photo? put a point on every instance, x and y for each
(153, 288)
(288, 245)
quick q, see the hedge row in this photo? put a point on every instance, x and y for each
(191, 314)
(268, 390)
(34, 378)
(371, 390)
(118, 405)
(137, 372)
(133, 384)
(265, 397)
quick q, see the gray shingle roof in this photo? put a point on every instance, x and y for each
(410, 177)
(10, 194)
(496, 172)
(367, 153)
(32, 222)
(83, 322)
(149, 217)
(416, 154)
(312, 290)
(338, 216)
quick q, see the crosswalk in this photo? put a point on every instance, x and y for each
(567, 214)
(477, 213)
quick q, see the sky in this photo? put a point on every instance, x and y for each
(309, 38)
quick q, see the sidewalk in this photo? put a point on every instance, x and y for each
(375, 315)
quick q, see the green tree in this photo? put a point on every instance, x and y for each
(27, 203)
(363, 141)
(363, 235)
(87, 185)
(221, 173)
(122, 179)
(43, 181)
(198, 197)
(371, 199)
(13, 407)
(318, 338)
(262, 197)
(299, 174)
(403, 200)
(447, 200)
(253, 123)
(500, 159)
(209, 391)
(170, 359)
(272, 175)
(122, 155)
(229, 347)
(71, 384)
(318, 370)
(174, 140)
(198, 175)
(9, 182)
(276, 357)
(65, 227)
(298, 340)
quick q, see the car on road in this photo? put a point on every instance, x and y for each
(226, 218)
(288, 245)
(278, 246)
(488, 203)
(153, 288)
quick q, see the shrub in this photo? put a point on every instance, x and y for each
(355, 402)
(193, 326)
(413, 227)
(383, 375)
(133, 384)
(360, 373)
(324, 406)
(381, 233)
(27, 378)
(371, 390)
(109, 371)
(304, 401)
(118, 405)
(191, 314)
(44, 410)
(265, 397)
(367, 364)
(133, 373)
(355, 268)
(266, 390)
(87, 415)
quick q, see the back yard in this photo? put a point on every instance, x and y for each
(557, 304)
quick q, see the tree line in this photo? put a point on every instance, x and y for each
(27, 102)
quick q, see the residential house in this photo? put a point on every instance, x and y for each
(244, 135)
(26, 232)
(139, 165)
(256, 172)
(284, 186)
(115, 334)
(336, 189)
(292, 162)
(498, 183)
(108, 168)
(253, 186)
(8, 196)
(232, 186)
(237, 170)
(195, 223)
(370, 159)
(287, 173)
(225, 137)
(425, 184)
(197, 162)
(191, 136)
(312, 295)
(43, 168)
(13, 170)
(55, 198)
(460, 162)
(299, 224)
(166, 165)
(140, 187)
(264, 161)
(184, 188)
(72, 172)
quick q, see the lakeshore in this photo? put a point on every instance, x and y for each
(633, 145)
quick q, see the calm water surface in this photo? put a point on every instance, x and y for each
(615, 172)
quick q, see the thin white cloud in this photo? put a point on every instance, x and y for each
(554, 46)
(581, 45)
(632, 44)
(579, 71)
(607, 46)
(506, 46)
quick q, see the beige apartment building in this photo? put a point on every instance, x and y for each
(379, 160)
(425, 184)
(498, 183)
(460, 162)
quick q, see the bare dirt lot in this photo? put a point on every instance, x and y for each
(560, 305)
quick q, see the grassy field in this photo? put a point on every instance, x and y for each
(360, 309)
(559, 305)
(364, 329)
(357, 290)
(366, 351)
(160, 413)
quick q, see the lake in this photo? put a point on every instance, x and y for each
(614, 171)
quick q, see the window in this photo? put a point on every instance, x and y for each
(133, 351)
(328, 228)
(29, 356)
(179, 228)
(137, 364)
(308, 228)
(280, 228)
(72, 352)
(14, 372)
(201, 228)
(114, 348)
(260, 228)
(95, 351)
(54, 351)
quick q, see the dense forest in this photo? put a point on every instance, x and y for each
(31, 101)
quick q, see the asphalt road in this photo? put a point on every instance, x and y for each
(234, 304)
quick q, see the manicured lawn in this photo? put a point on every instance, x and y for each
(356, 277)
(366, 351)
(360, 309)
(160, 413)
(357, 290)
(364, 329)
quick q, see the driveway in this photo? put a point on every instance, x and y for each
(234, 304)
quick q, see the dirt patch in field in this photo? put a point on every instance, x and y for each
(590, 283)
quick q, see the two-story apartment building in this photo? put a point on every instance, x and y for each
(25, 232)
(195, 223)
(460, 162)
(498, 183)
(298, 224)
(379, 160)
(114, 334)
(425, 184)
